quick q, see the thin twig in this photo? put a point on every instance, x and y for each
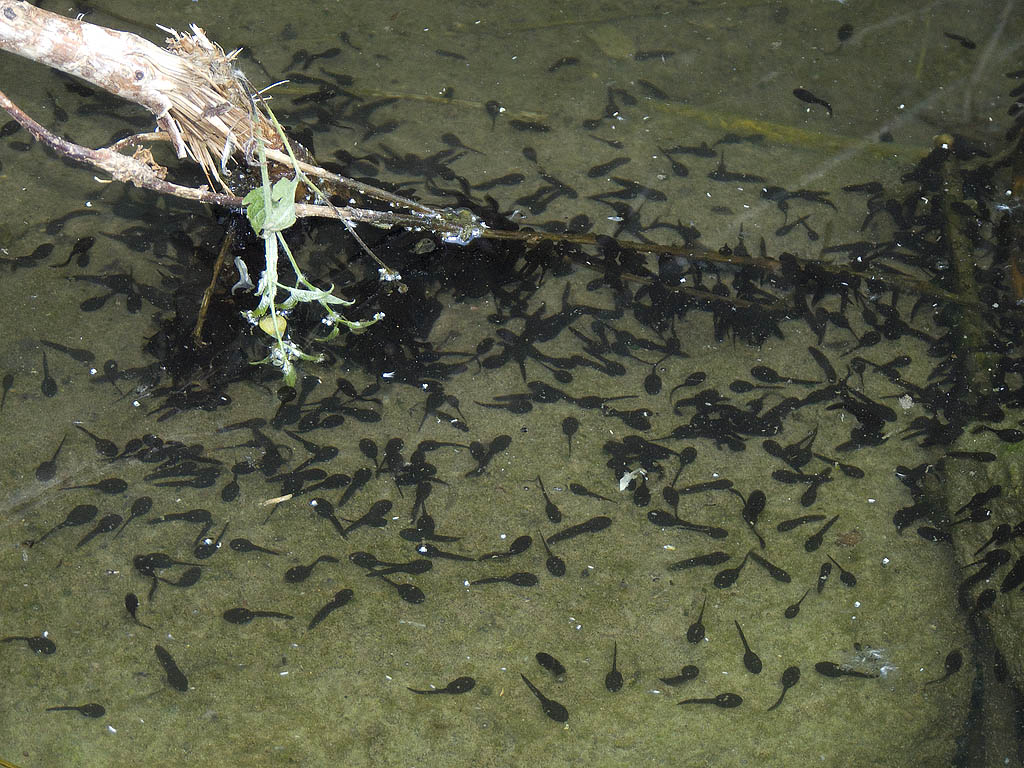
(439, 221)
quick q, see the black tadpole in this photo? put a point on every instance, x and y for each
(87, 710)
(550, 707)
(790, 677)
(711, 558)
(38, 644)
(497, 445)
(106, 524)
(175, 677)
(299, 573)
(823, 574)
(593, 525)
(553, 512)
(408, 592)
(847, 578)
(750, 659)
(582, 490)
(777, 573)
(340, 599)
(517, 547)
(792, 610)
(428, 549)
(244, 615)
(131, 604)
(244, 545)
(570, 425)
(8, 382)
(554, 564)
(695, 633)
(830, 669)
(521, 579)
(375, 517)
(80, 515)
(493, 110)
(207, 546)
(456, 686)
(104, 447)
(728, 576)
(109, 485)
(413, 567)
(954, 660)
(613, 680)
(551, 664)
(753, 506)
(723, 700)
(49, 384)
(813, 541)
(325, 509)
(47, 470)
(141, 506)
(686, 674)
(788, 525)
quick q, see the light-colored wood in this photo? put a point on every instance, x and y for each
(203, 105)
(200, 100)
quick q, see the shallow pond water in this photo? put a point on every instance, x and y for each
(744, 341)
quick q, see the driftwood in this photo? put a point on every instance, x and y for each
(203, 105)
(210, 113)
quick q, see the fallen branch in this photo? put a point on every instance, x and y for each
(203, 105)
(208, 111)
(200, 100)
(141, 170)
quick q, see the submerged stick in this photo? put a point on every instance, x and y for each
(974, 350)
(141, 170)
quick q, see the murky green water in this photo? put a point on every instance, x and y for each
(700, 102)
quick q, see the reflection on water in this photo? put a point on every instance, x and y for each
(739, 485)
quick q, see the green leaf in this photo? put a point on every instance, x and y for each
(254, 208)
(277, 213)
